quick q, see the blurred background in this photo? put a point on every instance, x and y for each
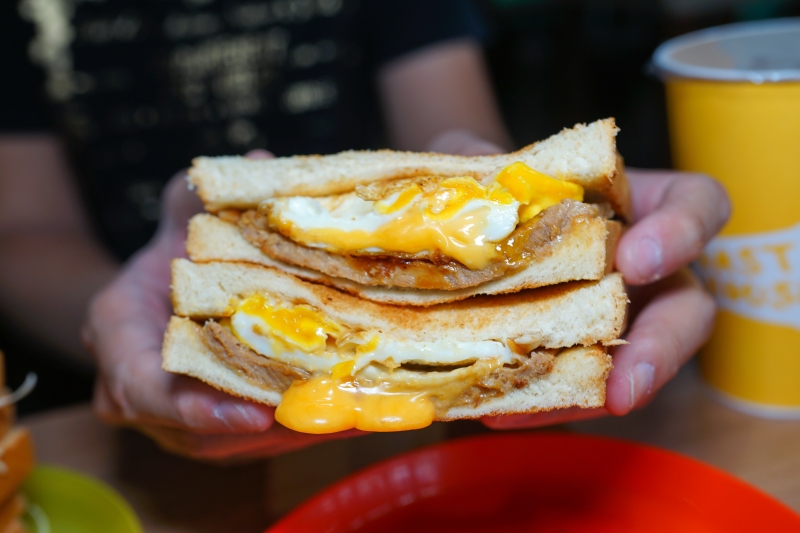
(554, 63)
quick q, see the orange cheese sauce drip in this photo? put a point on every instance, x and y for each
(327, 404)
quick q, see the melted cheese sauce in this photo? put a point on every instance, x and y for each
(327, 404)
(374, 400)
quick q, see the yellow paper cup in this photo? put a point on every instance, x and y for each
(733, 99)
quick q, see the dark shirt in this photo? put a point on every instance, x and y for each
(139, 87)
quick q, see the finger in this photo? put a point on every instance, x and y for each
(178, 205)
(677, 214)
(150, 267)
(276, 440)
(462, 142)
(535, 420)
(104, 408)
(259, 154)
(140, 390)
(666, 333)
(150, 395)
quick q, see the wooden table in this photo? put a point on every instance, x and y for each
(173, 495)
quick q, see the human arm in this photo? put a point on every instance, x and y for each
(671, 315)
(126, 321)
(51, 263)
(675, 215)
(439, 98)
(124, 328)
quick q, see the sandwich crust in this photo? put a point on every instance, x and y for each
(584, 252)
(470, 384)
(584, 154)
(528, 244)
(557, 328)
(571, 377)
(568, 314)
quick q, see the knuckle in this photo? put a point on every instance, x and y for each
(716, 197)
(104, 411)
(691, 227)
(102, 305)
(105, 415)
(664, 350)
(708, 308)
(119, 397)
(723, 202)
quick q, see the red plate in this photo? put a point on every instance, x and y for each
(548, 483)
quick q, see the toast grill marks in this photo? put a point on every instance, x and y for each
(466, 385)
(529, 242)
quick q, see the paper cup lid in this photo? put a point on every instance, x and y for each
(764, 51)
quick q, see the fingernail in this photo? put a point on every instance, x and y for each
(641, 380)
(649, 257)
(237, 415)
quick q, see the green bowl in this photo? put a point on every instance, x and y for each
(63, 501)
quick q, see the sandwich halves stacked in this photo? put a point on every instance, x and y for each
(384, 290)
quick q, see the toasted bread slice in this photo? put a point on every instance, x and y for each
(17, 457)
(560, 316)
(577, 378)
(586, 252)
(585, 154)
(10, 511)
(7, 416)
(184, 352)
(15, 527)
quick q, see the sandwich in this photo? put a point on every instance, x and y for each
(385, 290)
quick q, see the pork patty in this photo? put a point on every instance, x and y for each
(527, 243)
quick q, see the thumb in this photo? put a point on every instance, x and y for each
(463, 142)
(178, 205)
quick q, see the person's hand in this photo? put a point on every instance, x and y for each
(462, 142)
(124, 330)
(671, 315)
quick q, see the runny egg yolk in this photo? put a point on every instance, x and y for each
(336, 402)
(299, 326)
(333, 401)
(461, 218)
(535, 191)
(348, 385)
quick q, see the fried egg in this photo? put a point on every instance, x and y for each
(459, 218)
(303, 337)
